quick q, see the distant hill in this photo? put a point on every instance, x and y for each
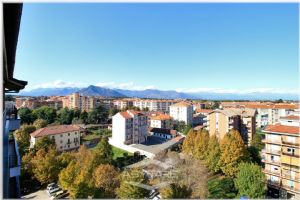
(100, 91)
(49, 92)
(158, 94)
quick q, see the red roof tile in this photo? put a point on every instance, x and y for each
(53, 130)
(283, 129)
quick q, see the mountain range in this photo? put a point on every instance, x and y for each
(153, 93)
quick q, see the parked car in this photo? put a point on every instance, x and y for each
(53, 191)
(60, 195)
(51, 185)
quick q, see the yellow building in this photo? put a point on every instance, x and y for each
(77, 101)
(220, 122)
(281, 156)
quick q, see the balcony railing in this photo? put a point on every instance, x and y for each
(291, 188)
(272, 172)
(273, 183)
(289, 176)
(270, 151)
(271, 162)
(290, 154)
(271, 141)
(290, 143)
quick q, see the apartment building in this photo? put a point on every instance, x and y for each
(77, 101)
(154, 104)
(163, 121)
(66, 137)
(221, 122)
(123, 103)
(129, 127)
(182, 111)
(267, 112)
(32, 103)
(281, 156)
(200, 118)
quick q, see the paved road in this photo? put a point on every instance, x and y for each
(40, 194)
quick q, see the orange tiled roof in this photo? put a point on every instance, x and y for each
(292, 117)
(53, 130)
(285, 106)
(283, 129)
(126, 115)
(203, 110)
(181, 104)
(161, 117)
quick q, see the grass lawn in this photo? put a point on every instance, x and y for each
(91, 137)
(119, 152)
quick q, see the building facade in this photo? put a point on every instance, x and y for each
(161, 121)
(220, 122)
(77, 101)
(281, 156)
(129, 127)
(182, 111)
(66, 137)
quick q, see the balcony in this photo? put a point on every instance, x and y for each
(287, 175)
(273, 162)
(290, 143)
(291, 188)
(276, 173)
(273, 183)
(271, 141)
(270, 151)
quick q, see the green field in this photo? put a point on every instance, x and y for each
(119, 152)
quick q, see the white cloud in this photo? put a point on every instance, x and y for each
(57, 84)
(241, 91)
(125, 86)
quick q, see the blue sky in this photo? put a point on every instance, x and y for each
(185, 47)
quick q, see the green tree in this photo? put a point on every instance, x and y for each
(187, 128)
(77, 113)
(22, 136)
(221, 188)
(44, 143)
(97, 115)
(26, 116)
(67, 178)
(104, 152)
(45, 165)
(201, 144)
(257, 142)
(113, 111)
(65, 116)
(128, 185)
(233, 151)
(84, 117)
(214, 153)
(40, 123)
(250, 181)
(175, 191)
(46, 113)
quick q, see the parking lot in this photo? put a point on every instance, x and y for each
(40, 194)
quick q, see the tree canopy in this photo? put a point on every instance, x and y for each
(250, 181)
(175, 191)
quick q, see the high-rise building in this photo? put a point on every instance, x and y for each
(220, 122)
(182, 111)
(281, 156)
(129, 127)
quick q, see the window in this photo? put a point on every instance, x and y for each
(61, 141)
(68, 134)
(53, 137)
(75, 133)
(61, 135)
(68, 146)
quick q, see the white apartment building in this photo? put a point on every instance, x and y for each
(66, 137)
(129, 127)
(154, 104)
(182, 111)
(123, 103)
(161, 121)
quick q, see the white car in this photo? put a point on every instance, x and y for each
(53, 191)
(51, 185)
(57, 195)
